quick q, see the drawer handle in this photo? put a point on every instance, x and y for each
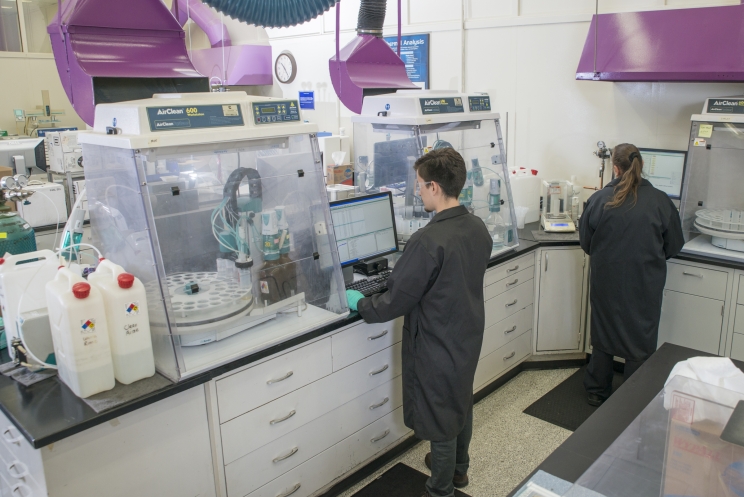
(8, 435)
(511, 330)
(290, 492)
(276, 421)
(693, 274)
(513, 303)
(372, 408)
(378, 336)
(506, 358)
(377, 439)
(515, 268)
(271, 382)
(17, 470)
(384, 368)
(513, 283)
(21, 490)
(287, 456)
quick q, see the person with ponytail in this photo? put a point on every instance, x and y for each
(629, 229)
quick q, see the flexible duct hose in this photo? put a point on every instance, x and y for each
(371, 17)
(272, 13)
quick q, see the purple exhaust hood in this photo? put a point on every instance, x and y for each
(686, 45)
(112, 51)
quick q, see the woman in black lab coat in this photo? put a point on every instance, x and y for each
(629, 229)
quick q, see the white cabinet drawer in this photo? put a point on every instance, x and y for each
(508, 303)
(305, 479)
(506, 330)
(498, 273)
(363, 340)
(278, 457)
(739, 319)
(15, 444)
(502, 359)
(253, 387)
(18, 477)
(507, 284)
(693, 280)
(373, 439)
(740, 300)
(246, 433)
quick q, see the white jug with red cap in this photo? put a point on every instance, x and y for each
(80, 334)
(125, 301)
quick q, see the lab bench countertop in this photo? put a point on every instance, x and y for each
(48, 411)
(572, 458)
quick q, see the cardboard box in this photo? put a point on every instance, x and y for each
(341, 175)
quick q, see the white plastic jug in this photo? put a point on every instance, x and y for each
(128, 321)
(80, 334)
(23, 278)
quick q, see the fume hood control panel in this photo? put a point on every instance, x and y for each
(276, 112)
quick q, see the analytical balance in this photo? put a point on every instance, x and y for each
(395, 129)
(712, 205)
(217, 203)
(557, 198)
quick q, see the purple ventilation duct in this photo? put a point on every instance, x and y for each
(367, 65)
(114, 51)
(232, 65)
(691, 45)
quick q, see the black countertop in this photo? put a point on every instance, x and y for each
(572, 458)
(48, 411)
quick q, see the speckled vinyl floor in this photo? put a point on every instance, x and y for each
(507, 444)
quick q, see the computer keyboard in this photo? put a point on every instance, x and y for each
(372, 285)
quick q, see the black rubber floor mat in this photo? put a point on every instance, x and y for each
(399, 481)
(566, 404)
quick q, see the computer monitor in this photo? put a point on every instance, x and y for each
(364, 227)
(23, 155)
(665, 169)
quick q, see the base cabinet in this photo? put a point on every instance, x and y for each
(562, 296)
(691, 321)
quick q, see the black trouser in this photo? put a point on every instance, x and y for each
(599, 373)
(448, 458)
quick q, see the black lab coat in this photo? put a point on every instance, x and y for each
(628, 248)
(438, 286)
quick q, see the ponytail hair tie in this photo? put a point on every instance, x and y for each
(634, 155)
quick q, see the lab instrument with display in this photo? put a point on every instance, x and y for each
(216, 203)
(712, 206)
(394, 130)
(558, 198)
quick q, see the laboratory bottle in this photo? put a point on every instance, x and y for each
(466, 195)
(269, 274)
(288, 280)
(128, 320)
(494, 222)
(80, 334)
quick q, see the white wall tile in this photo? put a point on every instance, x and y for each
(543, 7)
(427, 11)
(479, 9)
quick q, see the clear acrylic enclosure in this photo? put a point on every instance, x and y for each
(384, 159)
(235, 246)
(676, 447)
(712, 205)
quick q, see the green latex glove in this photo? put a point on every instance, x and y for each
(353, 297)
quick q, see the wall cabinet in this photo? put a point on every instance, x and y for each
(562, 297)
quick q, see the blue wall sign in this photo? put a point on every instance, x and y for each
(414, 51)
(307, 100)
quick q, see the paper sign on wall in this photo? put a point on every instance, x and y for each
(414, 51)
(705, 131)
(307, 100)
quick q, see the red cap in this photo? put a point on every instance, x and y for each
(2, 261)
(125, 280)
(101, 259)
(81, 290)
(534, 172)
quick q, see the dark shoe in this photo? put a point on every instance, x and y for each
(595, 400)
(459, 481)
